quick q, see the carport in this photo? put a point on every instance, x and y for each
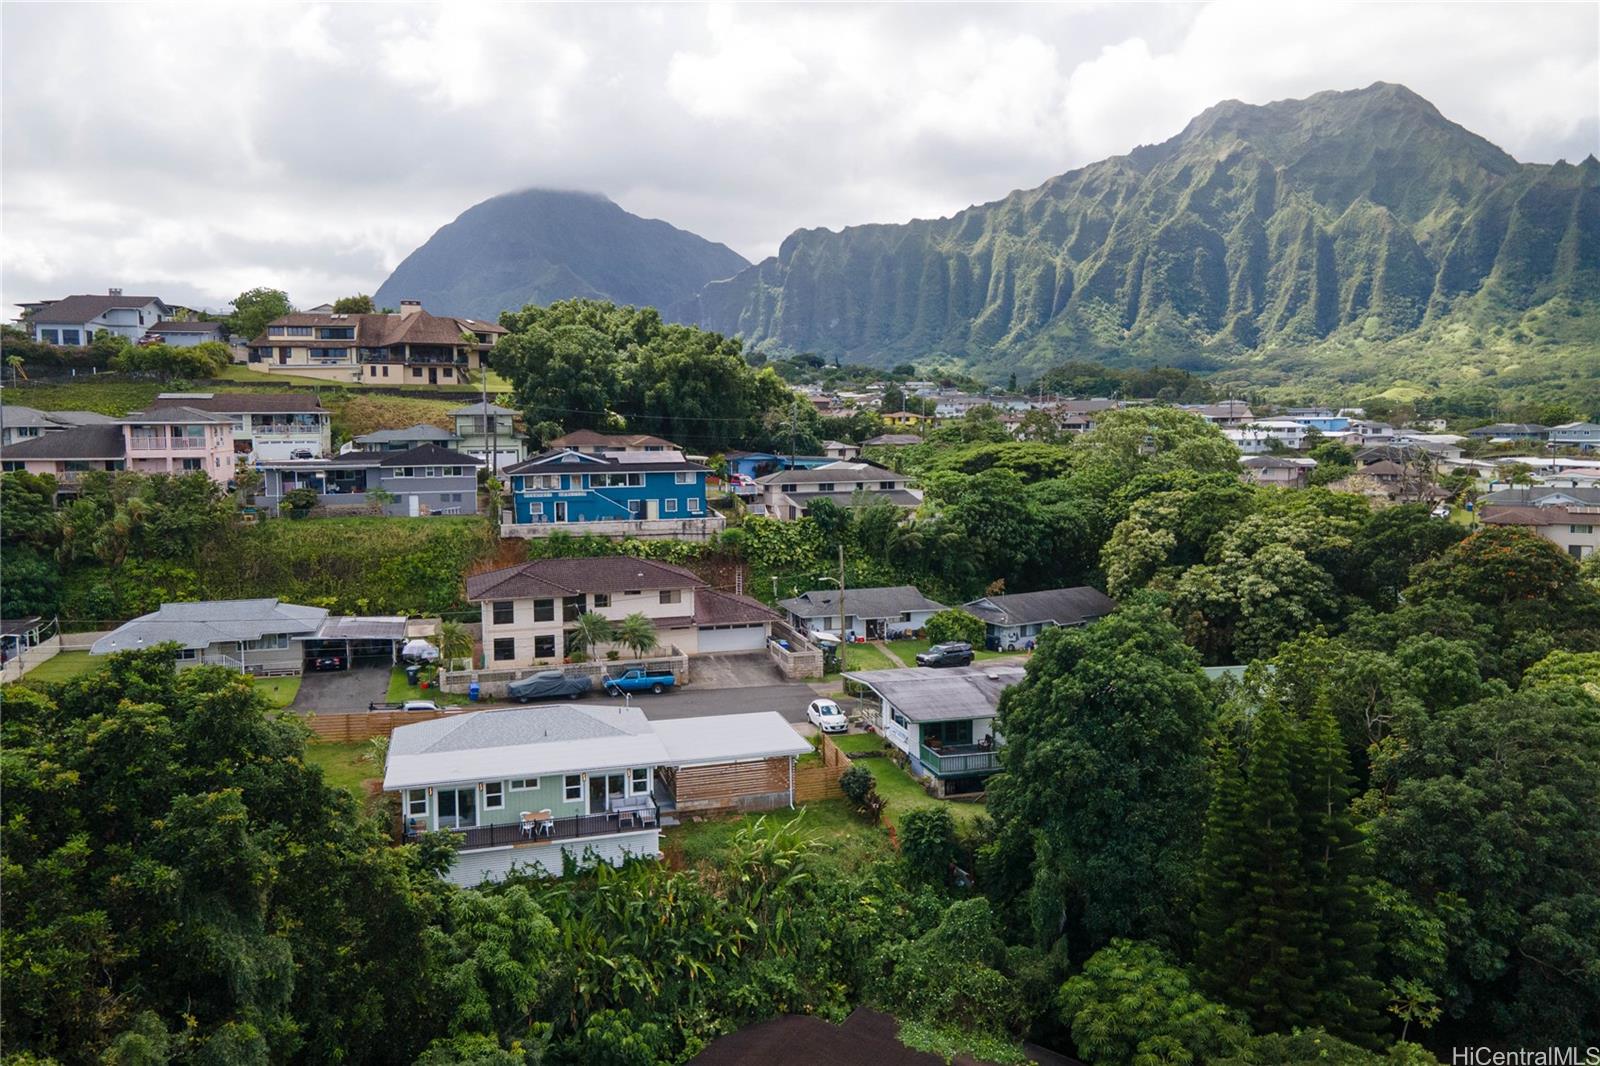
(361, 640)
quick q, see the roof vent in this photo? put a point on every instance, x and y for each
(114, 292)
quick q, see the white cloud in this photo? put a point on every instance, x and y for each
(313, 146)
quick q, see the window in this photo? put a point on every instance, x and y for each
(416, 371)
(270, 640)
(187, 654)
(787, 488)
(417, 802)
(824, 486)
(671, 506)
(571, 608)
(1580, 529)
(632, 592)
(639, 781)
(71, 336)
(524, 784)
(544, 610)
(544, 647)
(683, 477)
(194, 464)
(386, 370)
(671, 595)
(336, 333)
(505, 612)
(50, 336)
(694, 504)
(898, 719)
(295, 331)
(886, 486)
(494, 795)
(602, 599)
(1575, 550)
(572, 788)
(505, 649)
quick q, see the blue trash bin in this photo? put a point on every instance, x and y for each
(472, 692)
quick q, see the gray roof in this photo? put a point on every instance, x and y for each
(363, 627)
(299, 402)
(172, 413)
(82, 442)
(887, 602)
(924, 694)
(15, 416)
(185, 327)
(846, 472)
(1064, 607)
(894, 440)
(76, 310)
(1502, 428)
(517, 726)
(201, 624)
(417, 432)
(483, 408)
(1534, 495)
(80, 418)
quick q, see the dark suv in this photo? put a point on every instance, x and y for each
(956, 653)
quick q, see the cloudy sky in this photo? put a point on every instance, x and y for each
(193, 151)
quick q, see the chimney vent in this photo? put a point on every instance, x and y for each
(410, 307)
(115, 292)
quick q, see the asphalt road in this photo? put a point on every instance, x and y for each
(693, 701)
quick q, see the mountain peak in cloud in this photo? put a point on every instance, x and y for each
(537, 245)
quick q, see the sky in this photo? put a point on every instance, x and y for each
(192, 151)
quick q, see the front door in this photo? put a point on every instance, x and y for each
(458, 808)
(433, 375)
(559, 508)
(602, 788)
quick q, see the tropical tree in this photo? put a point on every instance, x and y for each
(359, 304)
(254, 308)
(637, 633)
(455, 642)
(591, 630)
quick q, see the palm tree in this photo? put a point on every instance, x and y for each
(637, 633)
(455, 642)
(589, 632)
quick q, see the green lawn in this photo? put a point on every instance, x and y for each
(844, 836)
(64, 666)
(401, 690)
(344, 764)
(908, 650)
(866, 657)
(903, 792)
(243, 374)
(280, 690)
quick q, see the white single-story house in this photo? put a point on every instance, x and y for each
(526, 789)
(877, 614)
(943, 719)
(1012, 621)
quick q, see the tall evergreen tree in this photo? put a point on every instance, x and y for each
(1222, 870)
(1349, 999)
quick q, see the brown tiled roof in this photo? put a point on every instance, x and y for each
(568, 577)
(588, 438)
(427, 455)
(373, 331)
(713, 608)
(76, 310)
(185, 327)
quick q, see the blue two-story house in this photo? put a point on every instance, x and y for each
(657, 494)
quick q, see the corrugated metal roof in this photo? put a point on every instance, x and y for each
(200, 624)
(924, 694)
(1062, 606)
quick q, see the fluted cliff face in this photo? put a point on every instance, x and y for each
(1365, 213)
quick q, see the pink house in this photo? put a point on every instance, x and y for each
(163, 440)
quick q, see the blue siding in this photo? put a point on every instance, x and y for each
(586, 503)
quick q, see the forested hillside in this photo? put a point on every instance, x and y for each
(1317, 229)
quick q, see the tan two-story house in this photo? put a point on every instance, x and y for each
(530, 610)
(787, 494)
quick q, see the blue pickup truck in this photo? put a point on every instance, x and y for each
(638, 681)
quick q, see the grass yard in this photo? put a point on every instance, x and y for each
(844, 836)
(281, 691)
(908, 650)
(344, 765)
(242, 374)
(902, 791)
(401, 690)
(64, 666)
(866, 657)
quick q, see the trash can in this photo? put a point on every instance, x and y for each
(472, 692)
(411, 674)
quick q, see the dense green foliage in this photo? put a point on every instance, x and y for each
(582, 364)
(538, 246)
(1352, 236)
(253, 309)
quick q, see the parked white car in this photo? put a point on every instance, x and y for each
(826, 716)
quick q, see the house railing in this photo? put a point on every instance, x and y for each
(960, 760)
(693, 527)
(556, 830)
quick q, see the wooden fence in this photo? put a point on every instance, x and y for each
(820, 780)
(352, 727)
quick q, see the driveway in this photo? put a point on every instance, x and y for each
(734, 669)
(341, 691)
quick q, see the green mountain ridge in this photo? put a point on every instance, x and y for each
(1257, 235)
(541, 245)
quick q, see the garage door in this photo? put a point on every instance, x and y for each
(733, 638)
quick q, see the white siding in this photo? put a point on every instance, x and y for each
(473, 867)
(742, 638)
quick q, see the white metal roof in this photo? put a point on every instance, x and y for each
(562, 739)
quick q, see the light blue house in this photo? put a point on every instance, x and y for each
(620, 494)
(1322, 423)
(757, 464)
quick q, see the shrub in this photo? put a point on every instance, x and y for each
(861, 789)
(928, 843)
(956, 624)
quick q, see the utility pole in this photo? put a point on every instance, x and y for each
(794, 428)
(843, 637)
